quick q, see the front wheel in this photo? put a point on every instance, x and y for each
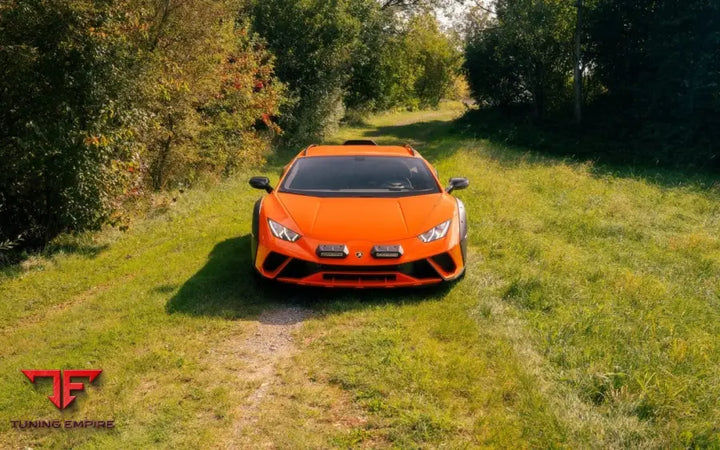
(254, 232)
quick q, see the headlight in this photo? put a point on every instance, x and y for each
(281, 232)
(435, 233)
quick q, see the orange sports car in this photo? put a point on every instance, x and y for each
(359, 215)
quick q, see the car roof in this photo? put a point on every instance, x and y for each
(374, 150)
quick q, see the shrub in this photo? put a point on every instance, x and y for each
(61, 71)
(103, 98)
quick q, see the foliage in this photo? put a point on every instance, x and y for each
(313, 41)
(60, 78)
(659, 63)
(106, 98)
(204, 83)
(333, 61)
(522, 54)
(420, 64)
(651, 69)
(107, 101)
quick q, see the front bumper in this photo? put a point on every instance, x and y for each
(443, 266)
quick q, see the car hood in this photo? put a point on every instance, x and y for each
(378, 219)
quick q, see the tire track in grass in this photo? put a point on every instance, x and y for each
(271, 344)
(52, 312)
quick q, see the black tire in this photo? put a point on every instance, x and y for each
(254, 233)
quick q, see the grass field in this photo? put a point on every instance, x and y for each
(589, 317)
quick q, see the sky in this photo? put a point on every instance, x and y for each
(451, 15)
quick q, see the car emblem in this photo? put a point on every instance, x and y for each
(359, 254)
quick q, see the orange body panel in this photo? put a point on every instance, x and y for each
(339, 150)
(360, 224)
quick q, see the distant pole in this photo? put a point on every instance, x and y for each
(577, 75)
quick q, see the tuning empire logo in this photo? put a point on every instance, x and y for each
(62, 396)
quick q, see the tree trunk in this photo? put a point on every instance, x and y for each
(577, 75)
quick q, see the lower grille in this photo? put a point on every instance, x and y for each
(297, 269)
(358, 277)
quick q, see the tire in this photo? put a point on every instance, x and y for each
(255, 231)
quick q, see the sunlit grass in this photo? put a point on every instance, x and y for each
(589, 317)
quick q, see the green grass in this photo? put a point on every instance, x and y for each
(589, 317)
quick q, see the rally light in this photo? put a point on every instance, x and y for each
(332, 251)
(281, 232)
(435, 233)
(386, 251)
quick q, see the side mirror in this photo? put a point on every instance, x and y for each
(457, 183)
(261, 183)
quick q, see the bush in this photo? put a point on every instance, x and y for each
(101, 99)
(205, 91)
(59, 80)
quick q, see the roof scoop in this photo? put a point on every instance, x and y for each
(360, 142)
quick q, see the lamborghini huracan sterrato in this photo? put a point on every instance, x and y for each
(359, 215)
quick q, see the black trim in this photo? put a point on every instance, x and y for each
(297, 269)
(462, 215)
(445, 261)
(332, 194)
(255, 230)
(457, 183)
(261, 183)
(273, 261)
(332, 251)
(359, 142)
(358, 277)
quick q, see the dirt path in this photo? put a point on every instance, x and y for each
(261, 353)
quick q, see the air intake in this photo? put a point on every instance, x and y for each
(360, 142)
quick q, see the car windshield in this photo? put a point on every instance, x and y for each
(359, 176)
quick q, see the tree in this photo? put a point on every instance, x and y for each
(521, 52)
(577, 63)
(430, 60)
(102, 97)
(60, 80)
(313, 41)
(331, 60)
(204, 81)
(659, 64)
(422, 5)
